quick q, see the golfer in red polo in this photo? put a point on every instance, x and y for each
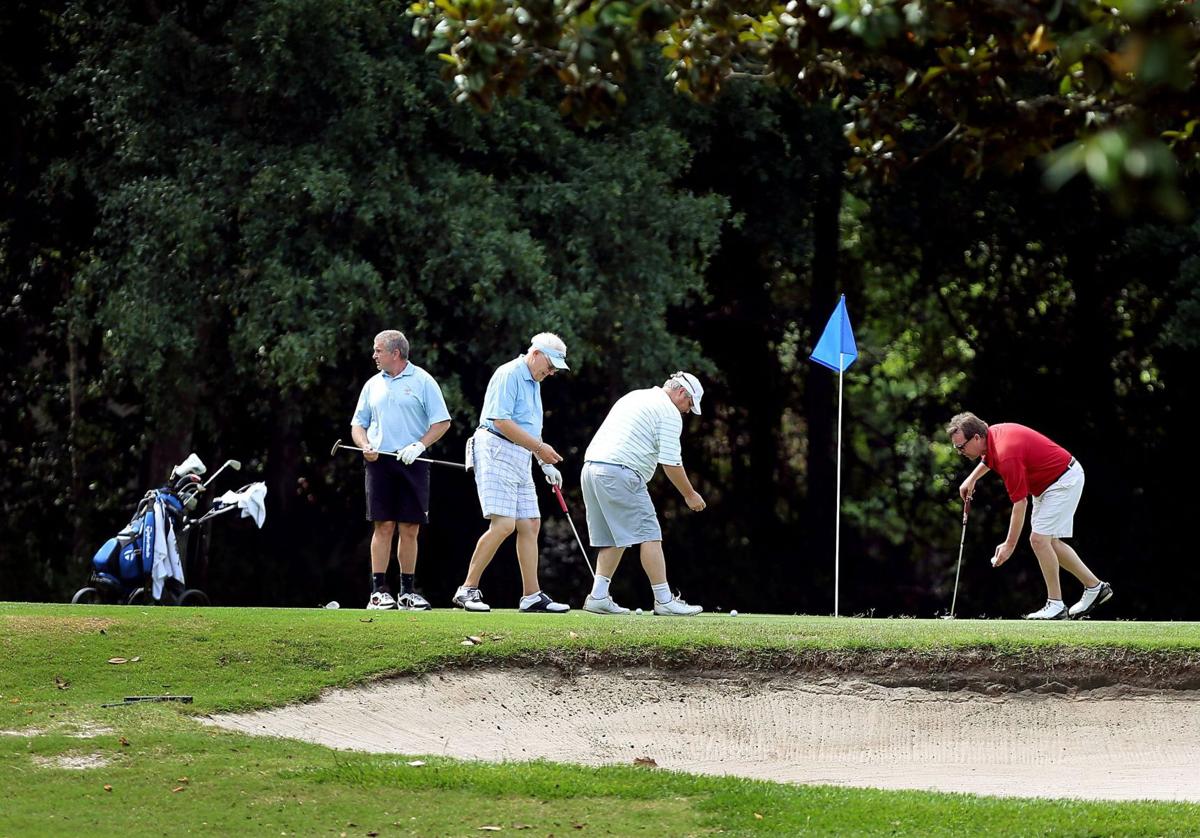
(1031, 464)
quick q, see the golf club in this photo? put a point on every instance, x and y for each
(236, 465)
(961, 543)
(396, 454)
(563, 503)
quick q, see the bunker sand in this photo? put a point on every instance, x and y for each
(1110, 743)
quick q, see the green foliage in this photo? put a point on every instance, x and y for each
(269, 184)
(1000, 83)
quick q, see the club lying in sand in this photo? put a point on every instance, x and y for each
(395, 454)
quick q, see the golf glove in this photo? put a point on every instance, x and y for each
(553, 475)
(409, 453)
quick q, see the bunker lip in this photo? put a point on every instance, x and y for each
(1060, 723)
(1053, 670)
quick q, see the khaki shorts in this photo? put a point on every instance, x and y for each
(619, 511)
(1054, 509)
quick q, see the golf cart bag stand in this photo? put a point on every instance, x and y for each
(123, 569)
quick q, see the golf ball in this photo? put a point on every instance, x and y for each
(994, 561)
(733, 612)
(638, 612)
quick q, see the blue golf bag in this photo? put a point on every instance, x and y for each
(123, 565)
(169, 524)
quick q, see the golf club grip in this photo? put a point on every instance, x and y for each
(966, 509)
(561, 500)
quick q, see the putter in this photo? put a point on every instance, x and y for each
(563, 503)
(396, 454)
(961, 543)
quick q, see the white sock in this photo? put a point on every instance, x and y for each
(531, 599)
(1095, 587)
(662, 593)
(1055, 601)
(600, 587)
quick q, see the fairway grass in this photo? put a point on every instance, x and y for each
(169, 774)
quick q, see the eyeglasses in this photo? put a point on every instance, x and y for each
(959, 446)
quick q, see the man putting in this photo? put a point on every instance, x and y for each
(400, 409)
(640, 432)
(1031, 464)
(509, 437)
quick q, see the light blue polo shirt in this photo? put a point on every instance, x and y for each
(513, 394)
(397, 411)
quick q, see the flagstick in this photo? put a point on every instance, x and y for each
(837, 525)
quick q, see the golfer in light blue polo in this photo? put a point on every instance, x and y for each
(400, 409)
(508, 439)
(639, 434)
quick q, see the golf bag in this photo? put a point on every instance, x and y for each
(165, 542)
(124, 565)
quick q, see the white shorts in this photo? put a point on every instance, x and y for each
(1054, 509)
(619, 510)
(504, 477)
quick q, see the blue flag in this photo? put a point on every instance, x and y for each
(837, 339)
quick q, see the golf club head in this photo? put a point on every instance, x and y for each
(236, 465)
(335, 447)
(947, 616)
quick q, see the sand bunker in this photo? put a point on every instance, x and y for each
(1109, 743)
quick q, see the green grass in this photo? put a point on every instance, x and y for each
(55, 674)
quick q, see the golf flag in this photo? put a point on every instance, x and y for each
(836, 348)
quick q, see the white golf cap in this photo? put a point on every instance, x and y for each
(692, 385)
(557, 357)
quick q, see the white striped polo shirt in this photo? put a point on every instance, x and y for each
(641, 431)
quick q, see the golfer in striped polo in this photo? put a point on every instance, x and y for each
(508, 439)
(641, 432)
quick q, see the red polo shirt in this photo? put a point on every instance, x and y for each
(1027, 461)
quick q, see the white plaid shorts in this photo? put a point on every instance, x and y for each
(504, 477)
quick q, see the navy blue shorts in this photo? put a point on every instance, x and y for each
(396, 492)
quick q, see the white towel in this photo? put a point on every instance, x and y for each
(166, 552)
(251, 500)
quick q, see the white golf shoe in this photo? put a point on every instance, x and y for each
(676, 608)
(381, 601)
(469, 599)
(541, 603)
(413, 602)
(603, 605)
(1092, 597)
(1050, 611)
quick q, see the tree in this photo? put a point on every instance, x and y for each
(1103, 88)
(270, 186)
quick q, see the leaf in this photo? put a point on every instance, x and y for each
(574, 635)
(61, 683)
(124, 742)
(474, 638)
(118, 660)
(647, 761)
(107, 787)
(415, 763)
(177, 788)
(757, 816)
(135, 659)
(490, 828)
